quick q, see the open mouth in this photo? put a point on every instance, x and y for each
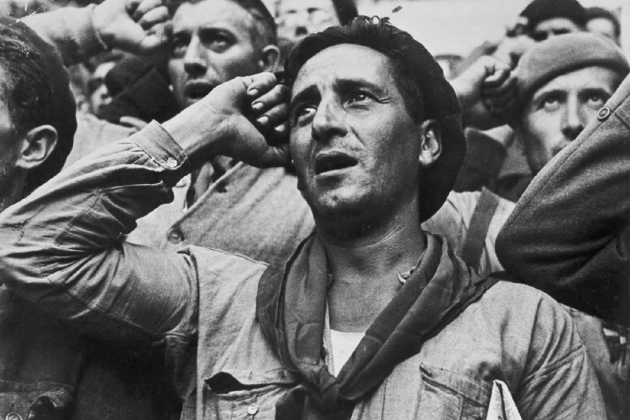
(334, 161)
(197, 91)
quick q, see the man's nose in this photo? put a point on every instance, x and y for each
(194, 60)
(302, 20)
(328, 122)
(574, 121)
(302, 17)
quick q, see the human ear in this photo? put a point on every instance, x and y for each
(430, 142)
(38, 144)
(269, 58)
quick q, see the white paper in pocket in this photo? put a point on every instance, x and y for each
(502, 405)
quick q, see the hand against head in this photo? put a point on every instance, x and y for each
(486, 91)
(136, 26)
(510, 49)
(244, 118)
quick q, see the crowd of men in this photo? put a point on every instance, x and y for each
(235, 209)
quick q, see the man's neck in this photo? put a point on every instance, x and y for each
(365, 271)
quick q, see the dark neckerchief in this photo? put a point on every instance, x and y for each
(291, 308)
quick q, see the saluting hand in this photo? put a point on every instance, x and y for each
(136, 26)
(487, 92)
(244, 118)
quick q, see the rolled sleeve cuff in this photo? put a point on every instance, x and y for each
(158, 144)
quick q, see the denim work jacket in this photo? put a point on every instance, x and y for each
(60, 249)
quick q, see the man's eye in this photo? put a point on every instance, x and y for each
(219, 43)
(550, 103)
(596, 100)
(359, 97)
(539, 36)
(303, 111)
(178, 47)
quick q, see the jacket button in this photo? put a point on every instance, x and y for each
(175, 236)
(13, 416)
(171, 163)
(252, 409)
(603, 113)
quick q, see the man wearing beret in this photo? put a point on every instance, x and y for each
(561, 84)
(569, 236)
(370, 318)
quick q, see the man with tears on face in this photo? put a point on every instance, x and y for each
(370, 318)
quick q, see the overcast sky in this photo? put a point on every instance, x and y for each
(455, 26)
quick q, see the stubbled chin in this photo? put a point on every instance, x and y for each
(330, 201)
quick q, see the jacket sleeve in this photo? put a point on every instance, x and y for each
(569, 232)
(60, 248)
(93, 133)
(70, 30)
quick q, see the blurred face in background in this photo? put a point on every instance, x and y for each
(554, 27)
(558, 111)
(213, 41)
(99, 96)
(299, 18)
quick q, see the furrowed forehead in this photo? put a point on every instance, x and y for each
(587, 77)
(350, 60)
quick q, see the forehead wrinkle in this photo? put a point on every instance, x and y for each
(382, 73)
(339, 84)
(572, 81)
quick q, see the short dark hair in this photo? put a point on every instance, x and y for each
(26, 86)
(346, 10)
(541, 10)
(265, 23)
(599, 12)
(421, 82)
(38, 93)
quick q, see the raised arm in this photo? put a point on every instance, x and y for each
(135, 26)
(60, 247)
(571, 228)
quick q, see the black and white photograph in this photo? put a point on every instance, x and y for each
(314, 210)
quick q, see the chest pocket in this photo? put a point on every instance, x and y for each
(238, 395)
(447, 395)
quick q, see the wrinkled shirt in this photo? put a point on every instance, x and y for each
(60, 249)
